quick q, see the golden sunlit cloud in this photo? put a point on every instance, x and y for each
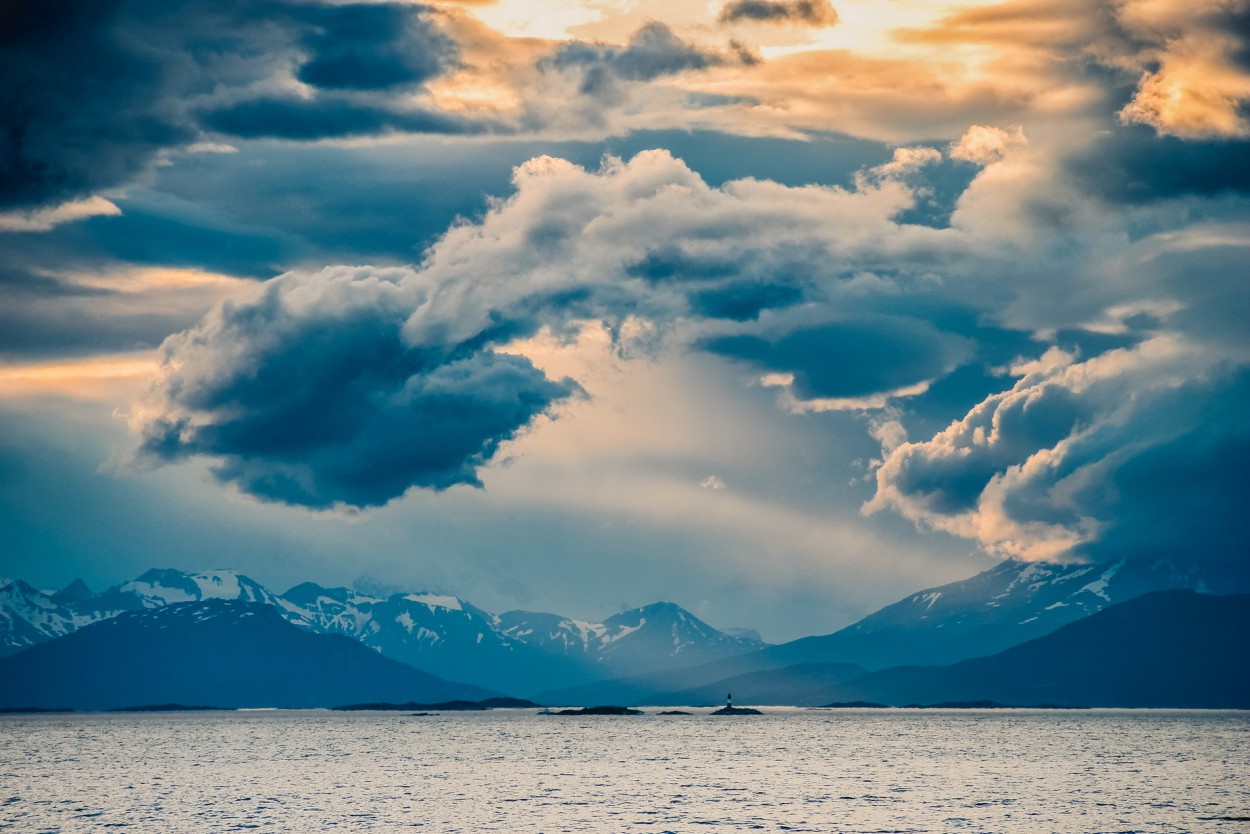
(156, 278)
(114, 377)
(1193, 83)
(41, 220)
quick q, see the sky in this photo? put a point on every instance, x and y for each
(776, 309)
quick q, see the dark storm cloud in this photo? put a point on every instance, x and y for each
(1188, 493)
(293, 118)
(372, 47)
(849, 359)
(652, 52)
(809, 12)
(311, 396)
(92, 92)
(82, 108)
(1135, 165)
(743, 301)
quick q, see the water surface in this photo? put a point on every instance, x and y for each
(515, 771)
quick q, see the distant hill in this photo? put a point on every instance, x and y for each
(219, 653)
(801, 685)
(805, 685)
(1002, 607)
(1165, 649)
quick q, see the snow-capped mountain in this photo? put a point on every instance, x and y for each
(214, 652)
(28, 616)
(998, 608)
(332, 610)
(659, 636)
(517, 652)
(442, 634)
(165, 587)
(160, 587)
(523, 653)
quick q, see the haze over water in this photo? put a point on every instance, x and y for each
(788, 770)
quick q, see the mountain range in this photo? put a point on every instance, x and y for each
(515, 652)
(1007, 605)
(663, 654)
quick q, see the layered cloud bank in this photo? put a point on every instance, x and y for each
(414, 363)
(102, 92)
(1033, 298)
(349, 386)
(97, 91)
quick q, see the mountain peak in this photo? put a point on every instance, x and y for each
(1003, 606)
(165, 586)
(75, 591)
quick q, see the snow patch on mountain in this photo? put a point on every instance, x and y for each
(622, 633)
(1099, 585)
(436, 601)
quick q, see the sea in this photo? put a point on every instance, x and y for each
(795, 770)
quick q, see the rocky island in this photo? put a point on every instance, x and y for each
(598, 711)
(730, 709)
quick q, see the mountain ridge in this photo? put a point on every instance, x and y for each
(1165, 649)
(642, 655)
(439, 633)
(221, 653)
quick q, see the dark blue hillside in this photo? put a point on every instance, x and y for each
(222, 653)
(1165, 649)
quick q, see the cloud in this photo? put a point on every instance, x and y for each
(843, 360)
(97, 92)
(78, 313)
(808, 12)
(301, 119)
(824, 291)
(983, 144)
(1196, 80)
(373, 47)
(907, 161)
(1032, 473)
(1135, 165)
(652, 52)
(351, 385)
(311, 396)
(1184, 63)
(41, 220)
